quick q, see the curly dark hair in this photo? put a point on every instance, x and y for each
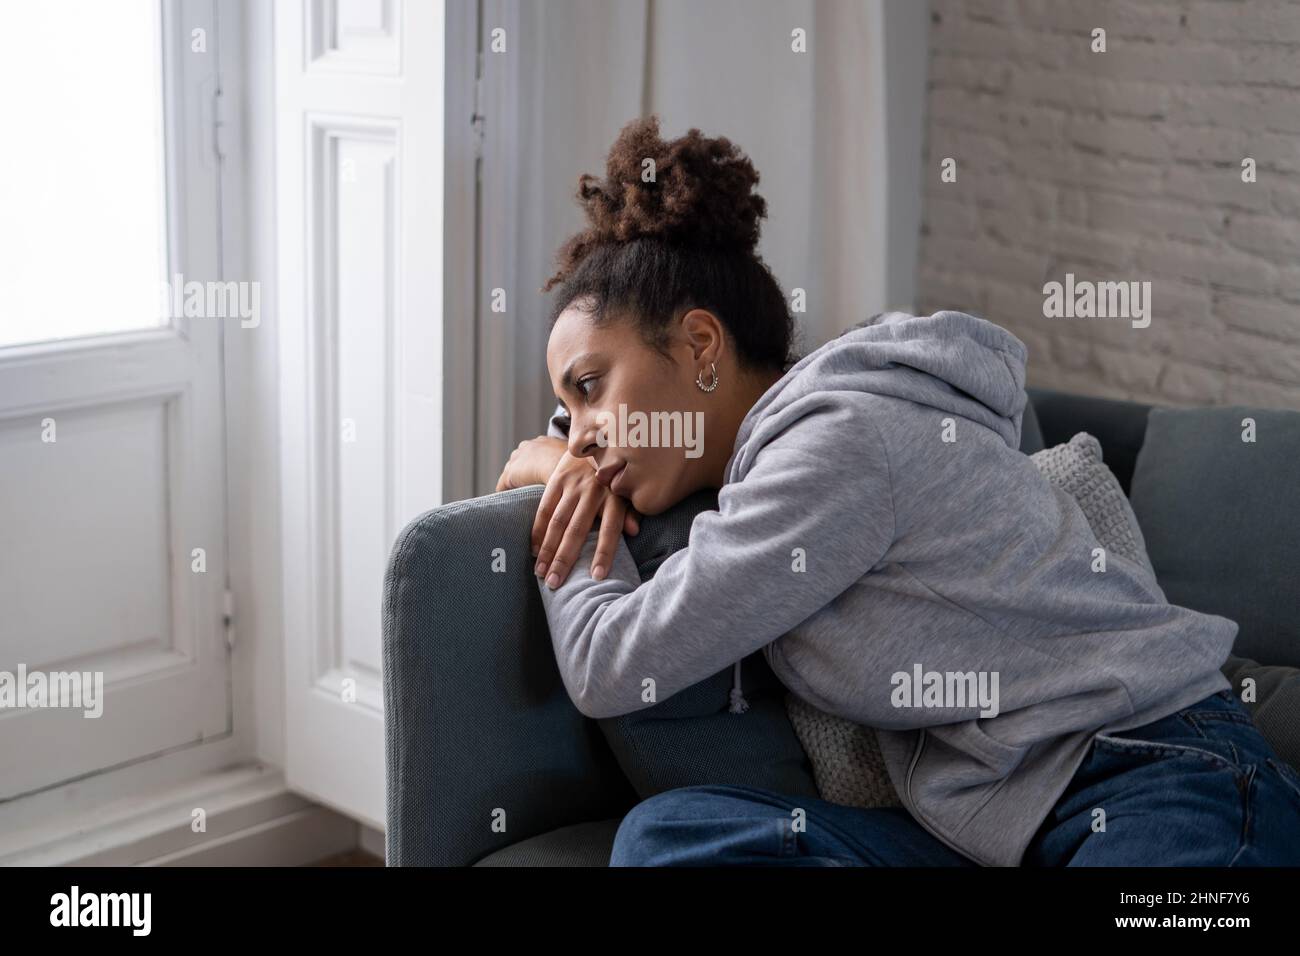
(654, 250)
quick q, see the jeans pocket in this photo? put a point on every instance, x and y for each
(1209, 717)
(1133, 747)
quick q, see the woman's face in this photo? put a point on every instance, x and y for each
(609, 379)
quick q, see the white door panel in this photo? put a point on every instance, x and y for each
(359, 89)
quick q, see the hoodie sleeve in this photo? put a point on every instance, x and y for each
(559, 424)
(813, 514)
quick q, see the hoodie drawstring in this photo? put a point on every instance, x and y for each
(738, 703)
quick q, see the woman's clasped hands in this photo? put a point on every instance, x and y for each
(570, 505)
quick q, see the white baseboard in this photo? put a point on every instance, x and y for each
(251, 819)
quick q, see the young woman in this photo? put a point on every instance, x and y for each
(875, 521)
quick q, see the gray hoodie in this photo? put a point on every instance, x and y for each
(902, 564)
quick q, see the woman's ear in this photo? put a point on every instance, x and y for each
(704, 334)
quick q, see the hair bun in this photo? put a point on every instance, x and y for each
(700, 194)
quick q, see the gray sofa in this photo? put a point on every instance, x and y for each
(489, 763)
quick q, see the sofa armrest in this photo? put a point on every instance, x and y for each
(477, 722)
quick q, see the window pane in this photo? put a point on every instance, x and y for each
(82, 182)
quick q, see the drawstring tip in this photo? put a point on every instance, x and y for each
(738, 703)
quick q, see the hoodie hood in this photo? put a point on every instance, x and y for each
(954, 362)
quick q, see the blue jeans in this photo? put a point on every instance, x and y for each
(1201, 787)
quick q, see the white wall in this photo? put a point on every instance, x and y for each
(727, 68)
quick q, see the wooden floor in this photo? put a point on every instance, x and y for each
(350, 858)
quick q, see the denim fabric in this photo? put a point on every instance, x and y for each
(1201, 787)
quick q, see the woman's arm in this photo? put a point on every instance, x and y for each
(533, 460)
(813, 513)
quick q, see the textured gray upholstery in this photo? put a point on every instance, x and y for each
(477, 720)
(1221, 520)
(583, 844)
(1276, 704)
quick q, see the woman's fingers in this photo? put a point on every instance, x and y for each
(575, 535)
(612, 515)
(503, 482)
(550, 498)
(553, 532)
(566, 512)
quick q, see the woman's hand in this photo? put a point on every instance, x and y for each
(569, 506)
(531, 463)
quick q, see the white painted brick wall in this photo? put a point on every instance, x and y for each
(1116, 166)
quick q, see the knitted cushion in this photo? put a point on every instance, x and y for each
(1076, 467)
(845, 756)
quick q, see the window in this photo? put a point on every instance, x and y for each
(83, 248)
